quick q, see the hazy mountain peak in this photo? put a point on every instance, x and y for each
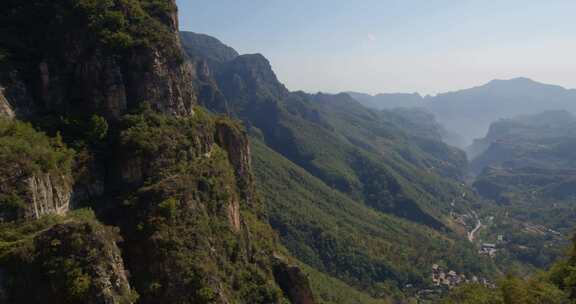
(389, 100)
(513, 80)
(471, 111)
(255, 57)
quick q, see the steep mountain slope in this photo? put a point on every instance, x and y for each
(342, 182)
(367, 249)
(108, 83)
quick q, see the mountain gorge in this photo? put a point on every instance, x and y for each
(141, 164)
(388, 168)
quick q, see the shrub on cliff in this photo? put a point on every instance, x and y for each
(25, 152)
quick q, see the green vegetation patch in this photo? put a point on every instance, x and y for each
(25, 152)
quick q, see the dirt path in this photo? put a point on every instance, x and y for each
(472, 234)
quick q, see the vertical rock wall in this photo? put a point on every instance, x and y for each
(47, 195)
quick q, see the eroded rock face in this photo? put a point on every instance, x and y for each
(38, 195)
(47, 194)
(108, 86)
(233, 213)
(82, 75)
(235, 142)
(166, 85)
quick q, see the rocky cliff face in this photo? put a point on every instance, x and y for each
(234, 141)
(47, 194)
(80, 71)
(106, 85)
(176, 180)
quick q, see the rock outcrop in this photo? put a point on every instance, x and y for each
(79, 72)
(293, 282)
(79, 259)
(234, 141)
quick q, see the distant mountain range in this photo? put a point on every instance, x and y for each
(470, 112)
(389, 100)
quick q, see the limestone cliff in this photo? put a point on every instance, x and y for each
(88, 69)
(47, 194)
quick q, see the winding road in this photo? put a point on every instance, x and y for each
(472, 234)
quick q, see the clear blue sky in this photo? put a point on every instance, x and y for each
(374, 46)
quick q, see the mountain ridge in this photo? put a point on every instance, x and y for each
(486, 103)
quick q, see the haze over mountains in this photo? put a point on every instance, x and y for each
(469, 112)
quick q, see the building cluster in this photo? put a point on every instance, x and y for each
(450, 279)
(488, 249)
